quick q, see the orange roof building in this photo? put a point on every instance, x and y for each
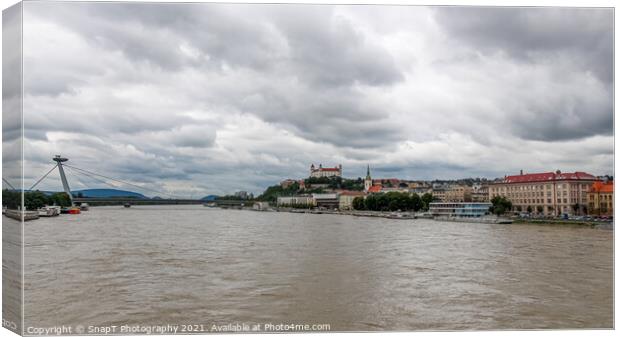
(375, 189)
(601, 198)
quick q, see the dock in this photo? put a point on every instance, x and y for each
(17, 214)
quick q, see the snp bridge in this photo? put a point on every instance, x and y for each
(61, 165)
(137, 201)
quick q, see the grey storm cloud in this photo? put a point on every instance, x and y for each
(567, 41)
(534, 33)
(213, 98)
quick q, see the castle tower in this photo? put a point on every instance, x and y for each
(367, 180)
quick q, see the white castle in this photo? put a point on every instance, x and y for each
(317, 172)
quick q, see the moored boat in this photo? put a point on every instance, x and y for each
(70, 210)
(48, 211)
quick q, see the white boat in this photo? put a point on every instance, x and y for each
(49, 211)
(84, 206)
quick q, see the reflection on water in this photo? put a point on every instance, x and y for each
(194, 265)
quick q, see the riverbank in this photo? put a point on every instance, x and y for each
(558, 222)
(372, 214)
(19, 215)
(412, 216)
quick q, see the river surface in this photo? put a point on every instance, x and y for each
(156, 265)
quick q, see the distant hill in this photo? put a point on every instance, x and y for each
(209, 197)
(107, 193)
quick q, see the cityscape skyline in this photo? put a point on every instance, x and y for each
(240, 97)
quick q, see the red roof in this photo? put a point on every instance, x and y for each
(602, 187)
(374, 189)
(547, 176)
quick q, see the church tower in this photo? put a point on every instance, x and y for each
(367, 180)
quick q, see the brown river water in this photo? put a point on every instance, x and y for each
(196, 266)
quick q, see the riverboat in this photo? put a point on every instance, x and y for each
(48, 211)
(70, 210)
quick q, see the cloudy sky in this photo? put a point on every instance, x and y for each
(194, 99)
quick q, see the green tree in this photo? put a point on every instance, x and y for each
(358, 203)
(35, 200)
(539, 209)
(529, 209)
(500, 206)
(390, 201)
(272, 193)
(11, 199)
(371, 202)
(415, 202)
(352, 184)
(59, 199)
(427, 198)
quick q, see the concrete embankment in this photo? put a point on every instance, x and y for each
(374, 214)
(558, 222)
(17, 215)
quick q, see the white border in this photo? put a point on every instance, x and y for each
(514, 3)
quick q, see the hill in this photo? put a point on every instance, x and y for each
(107, 193)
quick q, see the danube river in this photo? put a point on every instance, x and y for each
(157, 265)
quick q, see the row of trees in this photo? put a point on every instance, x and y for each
(336, 183)
(33, 199)
(393, 201)
(272, 193)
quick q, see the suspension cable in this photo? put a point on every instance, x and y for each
(120, 181)
(75, 175)
(8, 183)
(89, 176)
(41, 179)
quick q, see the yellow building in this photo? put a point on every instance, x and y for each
(345, 199)
(458, 193)
(550, 193)
(601, 199)
(480, 193)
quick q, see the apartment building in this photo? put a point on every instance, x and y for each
(549, 193)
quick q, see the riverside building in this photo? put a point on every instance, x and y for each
(458, 193)
(295, 201)
(601, 199)
(459, 209)
(345, 199)
(549, 193)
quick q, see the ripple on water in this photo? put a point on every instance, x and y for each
(180, 264)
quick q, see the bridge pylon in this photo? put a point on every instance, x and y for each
(65, 184)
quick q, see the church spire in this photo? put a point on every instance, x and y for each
(368, 180)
